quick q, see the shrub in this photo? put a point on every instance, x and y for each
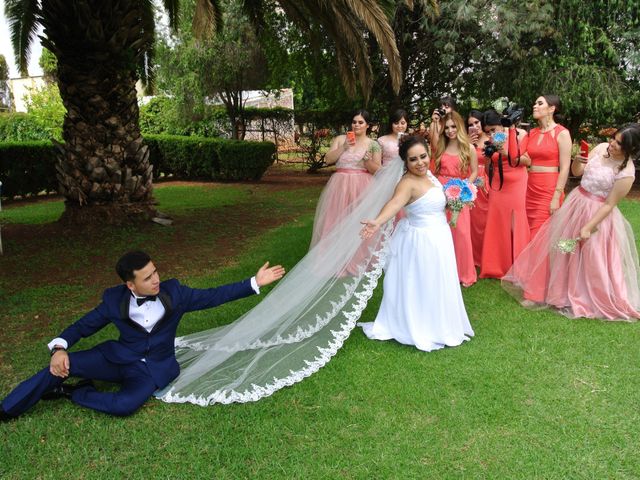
(242, 160)
(21, 127)
(27, 168)
(211, 158)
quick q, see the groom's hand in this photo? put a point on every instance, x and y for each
(267, 275)
(59, 365)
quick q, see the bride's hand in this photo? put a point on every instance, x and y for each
(370, 227)
(267, 275)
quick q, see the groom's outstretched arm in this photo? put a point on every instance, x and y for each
(198, 299)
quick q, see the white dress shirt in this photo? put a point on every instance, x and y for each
(145, 315)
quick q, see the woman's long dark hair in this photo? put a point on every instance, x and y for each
(554, 101)
(396, 116)
(489, 118)
(630, 143)
(365, 115)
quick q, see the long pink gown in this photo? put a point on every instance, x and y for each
(342, 190)
(450, 168)
(389, 154)
(598, 280)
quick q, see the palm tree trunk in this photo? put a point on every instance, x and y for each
(103, 165)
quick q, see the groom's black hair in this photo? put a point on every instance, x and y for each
(129, 262)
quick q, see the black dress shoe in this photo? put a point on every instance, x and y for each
(65, 391)
(4, 416)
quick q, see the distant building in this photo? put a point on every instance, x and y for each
(20, 88)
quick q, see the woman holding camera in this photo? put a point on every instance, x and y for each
(455, 158)
(357, 158)
(448, 104)
(478, 213)
(507, 229)
(584, 261)
(548, 155)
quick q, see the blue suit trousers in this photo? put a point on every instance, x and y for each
(134, 378)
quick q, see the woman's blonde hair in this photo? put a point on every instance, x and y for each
(463, 143)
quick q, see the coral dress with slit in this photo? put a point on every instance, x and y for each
(543, 150)
(507, 229)
(479, 211)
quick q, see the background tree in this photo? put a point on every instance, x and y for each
(104, 46)
(49, 65)
(5, 94)
(197, 72)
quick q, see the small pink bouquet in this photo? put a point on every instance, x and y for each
(459, 194)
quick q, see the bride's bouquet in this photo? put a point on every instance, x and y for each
(459, 194)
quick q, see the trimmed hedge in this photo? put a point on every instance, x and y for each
(212, 158)
(28, 168)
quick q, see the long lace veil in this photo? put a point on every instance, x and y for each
(301, 324)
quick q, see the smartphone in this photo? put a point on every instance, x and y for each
(473, 130)
(351, 137)
(584, 148)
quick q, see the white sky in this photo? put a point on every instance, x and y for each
(7, 50)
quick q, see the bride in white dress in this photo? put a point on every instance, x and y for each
(422, 302)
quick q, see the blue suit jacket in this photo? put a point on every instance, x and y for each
(157, 346)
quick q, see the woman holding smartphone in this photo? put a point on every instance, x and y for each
(548, 156)
(357, 158)
(478, 213)
(584, 261)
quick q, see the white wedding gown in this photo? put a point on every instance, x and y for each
(422, 302)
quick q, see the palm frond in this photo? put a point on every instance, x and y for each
(376, 21)
(145, 59)
(172, 7)
(207, 18)
(23, 18)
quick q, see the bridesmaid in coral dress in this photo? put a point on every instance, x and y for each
(357, 159)
(584, 261)
(548, 154)
(455, 158)
(481, 205)
(507, 230)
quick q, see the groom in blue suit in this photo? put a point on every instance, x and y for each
(146, 312)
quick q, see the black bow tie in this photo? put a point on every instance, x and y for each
(150, 298)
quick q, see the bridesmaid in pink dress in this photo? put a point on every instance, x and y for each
(455, 158)
(599, 279)
(506, 232)
(398, 123)
(478, 213)
(357, 159)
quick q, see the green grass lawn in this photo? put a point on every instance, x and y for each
(533, 395)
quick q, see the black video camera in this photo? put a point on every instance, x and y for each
(511, 115)
(489, 149)
(441, 111)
